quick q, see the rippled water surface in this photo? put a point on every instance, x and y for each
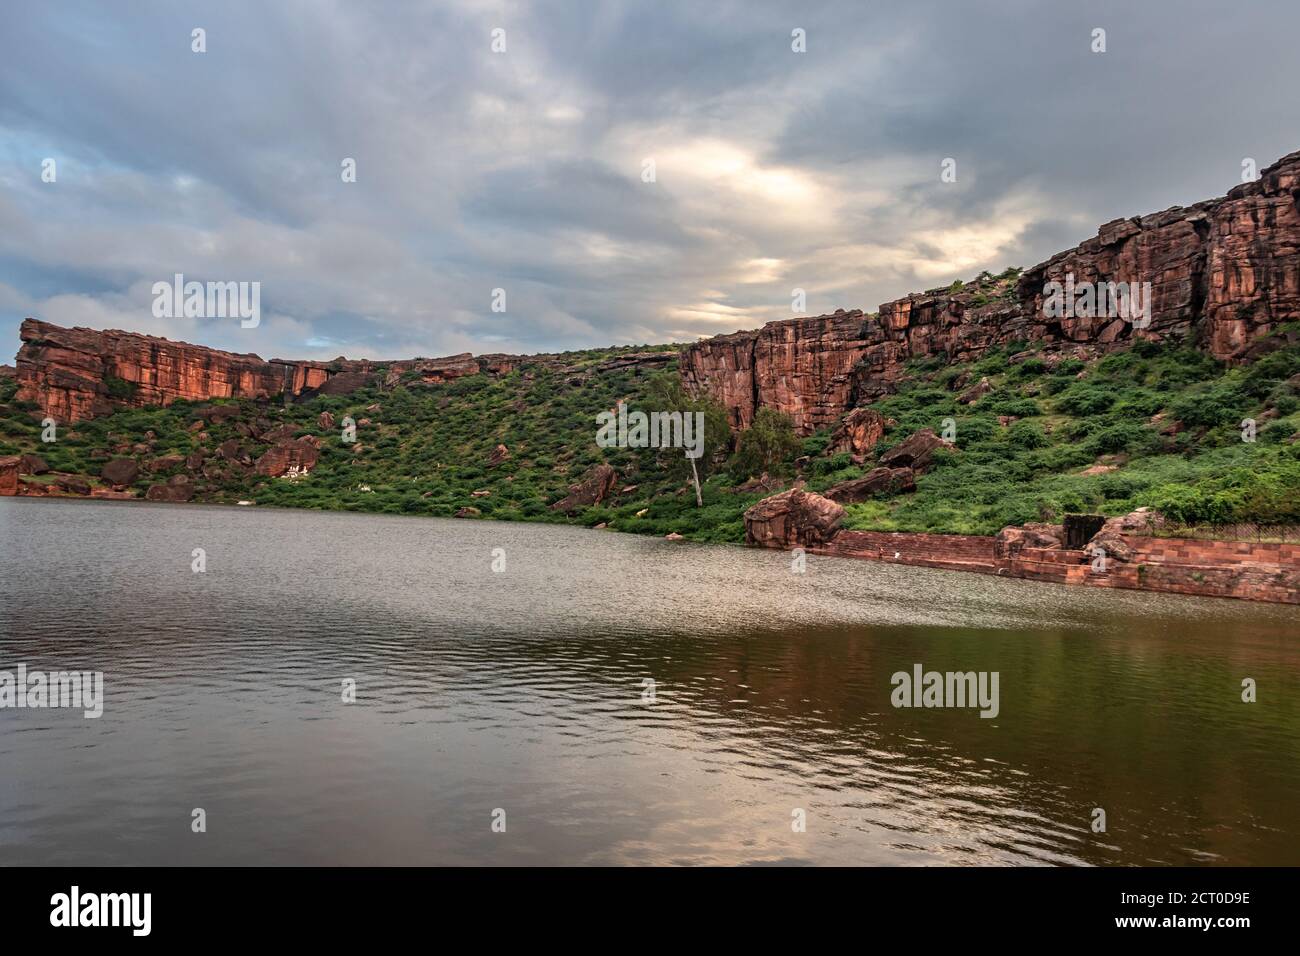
(524, 691)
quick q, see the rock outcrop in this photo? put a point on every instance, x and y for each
(73, 374)
(178, 488)
(592, 490)
(1222, 272)
(296, 455)
(120, 471)
(916, 451)
(874, 482)
(33, 465)
(9, 465)
(794, 518)
(858, 434)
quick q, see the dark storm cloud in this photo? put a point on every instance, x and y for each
(523, 170)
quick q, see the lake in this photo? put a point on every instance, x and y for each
(610, 699)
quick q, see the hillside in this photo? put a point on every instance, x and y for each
(1157, 425)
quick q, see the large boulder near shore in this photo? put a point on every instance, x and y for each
(592, 490)
(916, 452)
(72, 484)
(1010, 541)
(177, 488)
(120, 471)
(9, 465)
(874, 482)
(861, 429)
(33, 465)
(298, 454)
(791, 519)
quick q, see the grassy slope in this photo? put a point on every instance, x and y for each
(426, 449)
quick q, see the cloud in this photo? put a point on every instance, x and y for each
(522, 170)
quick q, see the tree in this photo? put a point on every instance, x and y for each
(765, 446)
(664, 393)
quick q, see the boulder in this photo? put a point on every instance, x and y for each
(592, 490)
(177, 488)
(73, 485)
(792, 518)
(325, 420)
(1114, 545)
(33, 465)
(877, 481)
(468, 512)
(9, 466)
(279, 433)
(165, 463)
(861, 429)
(1144, 521)
(1011, 540)
(975, 392)
(231, 450)
(917, 452)
(295, 453)
(120, 471)
(763, 484)
(498, 455)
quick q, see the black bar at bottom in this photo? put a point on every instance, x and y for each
(338, 905)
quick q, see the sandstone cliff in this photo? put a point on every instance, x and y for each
(1223, 271)
(73, 374)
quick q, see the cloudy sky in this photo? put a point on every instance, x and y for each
(523, 169)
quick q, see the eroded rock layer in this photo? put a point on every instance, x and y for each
(1223, 272)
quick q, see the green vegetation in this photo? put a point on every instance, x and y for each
(1164, 420)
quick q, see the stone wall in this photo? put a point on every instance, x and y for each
(1253, 571)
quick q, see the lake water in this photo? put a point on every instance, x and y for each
(525, 691)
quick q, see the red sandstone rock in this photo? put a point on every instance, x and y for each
(178, 488)
(874, 482)
(9, 465)
(468, 511)
(33, 465)
(917, 452)
(592, 490)
(792, 518)
(325, 420)
(120, 471)
(1225, 271)
(498, 455)
(73, 485)
(300, 453)
(975, 392)
(861, 429)
(165, 463)
(1010, 541)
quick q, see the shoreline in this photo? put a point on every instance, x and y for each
(1267, 572)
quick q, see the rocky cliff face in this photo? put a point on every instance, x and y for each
(1223, 272)
(80, 373)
